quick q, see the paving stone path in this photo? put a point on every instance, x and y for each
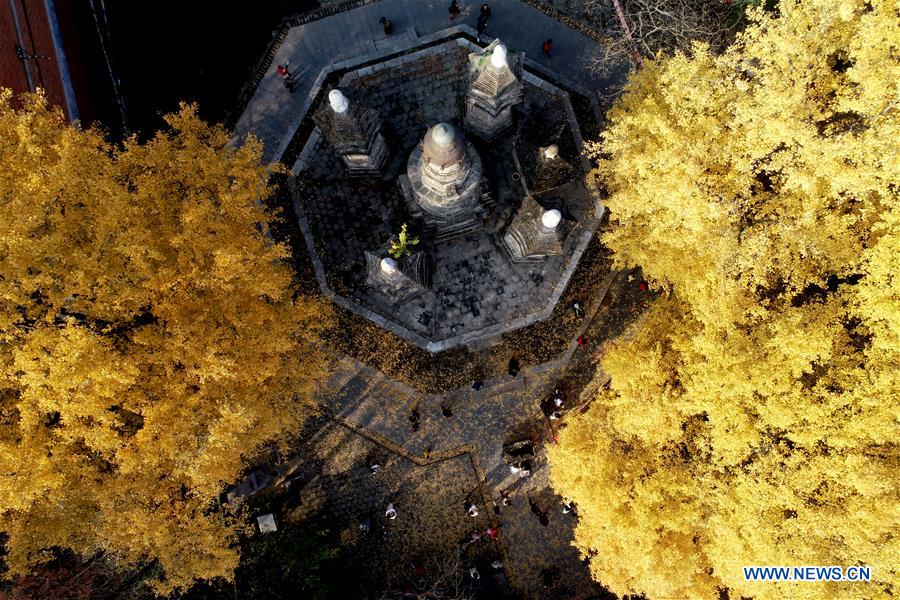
(539, 560)
(273, 112)
(343, 494)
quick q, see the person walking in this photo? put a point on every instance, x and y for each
(547, 47)
(540, 514)
(558, 397)
(453, 10)
(483, 17)
(525, 468)
(522, 469)
(481, 26)
(552, 406)
(287, 78)
(414, 419)
(471, 509)
(579, 312)
(391, 512)
(373, 463)
(513, 367)
(386, 25)
(547, 407)
(473, 539)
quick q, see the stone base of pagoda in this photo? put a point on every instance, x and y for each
(370, 162)
(398, 280)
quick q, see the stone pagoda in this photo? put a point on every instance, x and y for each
(355, 132)
(543, 167)
(398, 280)
(535, 233)
(443, 183)
(495, 87)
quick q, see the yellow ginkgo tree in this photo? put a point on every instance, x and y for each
(150, 340)
(752, 417)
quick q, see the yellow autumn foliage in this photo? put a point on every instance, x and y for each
(752, 417)
(149, 342)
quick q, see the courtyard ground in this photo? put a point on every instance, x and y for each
(428, 471)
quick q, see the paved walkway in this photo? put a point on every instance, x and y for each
(506, 409)
(272, 114)
(367, 420)
(334, 487)
(539, 558)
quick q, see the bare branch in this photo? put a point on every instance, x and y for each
(666, 26)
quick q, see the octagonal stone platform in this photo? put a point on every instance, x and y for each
(476, 292)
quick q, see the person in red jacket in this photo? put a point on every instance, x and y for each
(286, 77)
(547, 47)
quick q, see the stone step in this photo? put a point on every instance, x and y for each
(488, 201)
(456, 230)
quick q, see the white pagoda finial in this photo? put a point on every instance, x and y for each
(498, 58)
(443, 134)
(551, 218)
(338, 101)
(389, 266)
(551, 151)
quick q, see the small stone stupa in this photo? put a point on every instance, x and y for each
(398, 280)
(542, 166)
(495, 87)
(535, 233)
(355, 132)
(443, 183)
